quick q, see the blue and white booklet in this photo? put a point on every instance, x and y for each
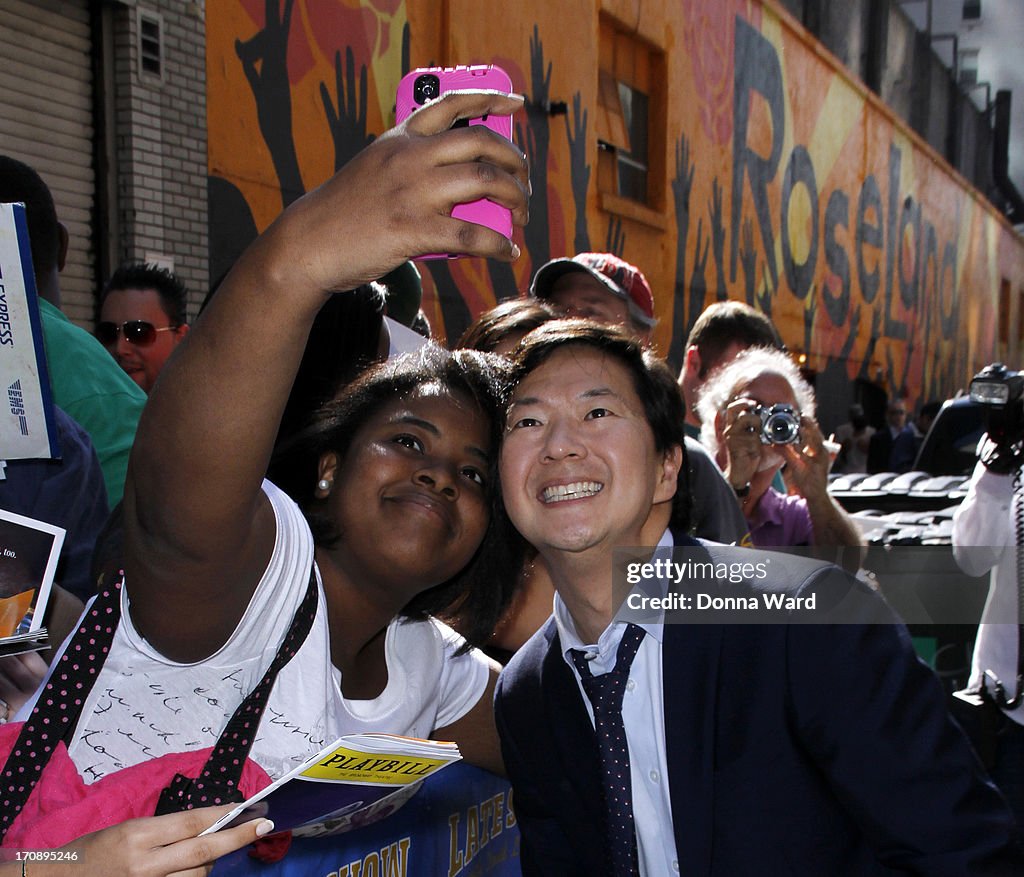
(354, 781)
(29, 551)
(27, 427)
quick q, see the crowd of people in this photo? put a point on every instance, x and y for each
(359, 541)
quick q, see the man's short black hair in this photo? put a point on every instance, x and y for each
(142, 275)
(730, 322)
(653, 381)
(19, 182)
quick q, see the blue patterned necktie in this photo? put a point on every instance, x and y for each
(605, 693)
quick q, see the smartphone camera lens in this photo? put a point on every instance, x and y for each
(426, 87)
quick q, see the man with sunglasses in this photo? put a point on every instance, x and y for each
(142, 319)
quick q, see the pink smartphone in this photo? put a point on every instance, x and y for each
(426, 83)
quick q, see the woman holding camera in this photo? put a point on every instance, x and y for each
(758, 416)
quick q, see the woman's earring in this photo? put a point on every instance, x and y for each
(323, 485)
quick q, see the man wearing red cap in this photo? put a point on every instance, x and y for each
(606, 289)
(600, 287)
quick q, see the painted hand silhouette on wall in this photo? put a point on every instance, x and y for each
(718, 240)
(579, 171)
(454, 310)
(682, 183)
(264, 60)
(347, 122)
(698, 279)
(748, 259)
(833, 386)
(851, 339)
(536, 144)
(615, 241)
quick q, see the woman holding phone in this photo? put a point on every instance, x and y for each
(220, 567)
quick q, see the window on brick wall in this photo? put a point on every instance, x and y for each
(151, 45)
(630, 100)
(968, 63)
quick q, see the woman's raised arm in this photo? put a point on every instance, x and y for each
(197, 529)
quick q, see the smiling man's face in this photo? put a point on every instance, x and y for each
(579, 468)
(142, 359)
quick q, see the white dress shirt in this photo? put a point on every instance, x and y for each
(643, 717)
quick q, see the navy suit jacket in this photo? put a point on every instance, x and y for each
(793, 749)
(891, 454)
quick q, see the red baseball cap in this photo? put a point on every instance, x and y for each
(621, 279)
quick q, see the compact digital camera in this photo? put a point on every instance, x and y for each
(1001, 391)
(780, 424)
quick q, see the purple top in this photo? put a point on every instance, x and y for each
(780, 520)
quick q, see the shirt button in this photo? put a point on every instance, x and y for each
(655, 776)
(630, 685)
(675, 865)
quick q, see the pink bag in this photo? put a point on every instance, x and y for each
(62, 807)
(44, 803)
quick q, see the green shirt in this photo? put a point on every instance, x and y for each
(93, 389)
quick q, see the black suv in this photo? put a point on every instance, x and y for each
(949, 448)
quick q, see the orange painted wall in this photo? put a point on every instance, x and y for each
(798, 190)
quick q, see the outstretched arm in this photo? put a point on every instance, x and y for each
(197, 530)
(476, 733)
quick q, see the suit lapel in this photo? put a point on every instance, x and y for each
(690, 659)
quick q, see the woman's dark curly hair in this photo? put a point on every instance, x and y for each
(474, 599)
(517, 316)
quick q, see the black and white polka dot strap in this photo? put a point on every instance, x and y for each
(217, 782)
(60, 703)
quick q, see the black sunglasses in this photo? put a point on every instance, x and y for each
(137, 332)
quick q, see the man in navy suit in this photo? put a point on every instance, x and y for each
(804, 749)
(893, 447)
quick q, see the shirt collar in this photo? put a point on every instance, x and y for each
(608, 641)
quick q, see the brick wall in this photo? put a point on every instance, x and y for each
(160, 145)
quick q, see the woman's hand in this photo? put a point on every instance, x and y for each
(198, 530)
(20, 676)
(156, 846)
(394, 200)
